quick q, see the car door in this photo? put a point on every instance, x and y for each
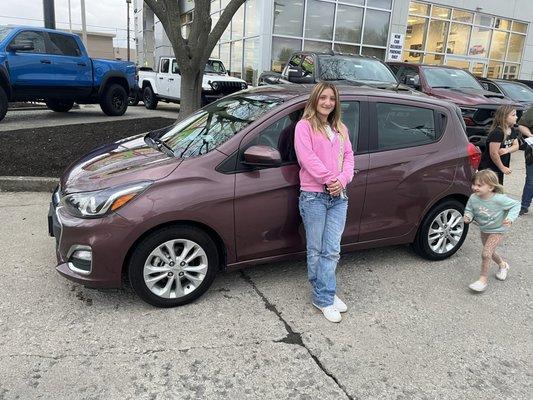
(174, 81)
(29, 70)
(410, 165)
(267, 219)
(162, 77)
(73, 70)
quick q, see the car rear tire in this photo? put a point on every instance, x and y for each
(114, 100)
(149, 99)
(59, 105)
(442, 231)
(3, 103)
(173, 266)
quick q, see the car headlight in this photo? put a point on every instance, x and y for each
(100, 202)
(214, 85)
(244, 85)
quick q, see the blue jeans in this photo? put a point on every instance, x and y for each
(324, 217)
(527, 194)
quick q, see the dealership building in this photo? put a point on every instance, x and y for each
(491, 38)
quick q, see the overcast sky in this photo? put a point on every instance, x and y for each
(107, 16)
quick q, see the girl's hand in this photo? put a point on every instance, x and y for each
(507, 222)
(467, 220)
(503, 151)
(334, 188)
(506, 170)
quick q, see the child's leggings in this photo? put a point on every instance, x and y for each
(490, 243)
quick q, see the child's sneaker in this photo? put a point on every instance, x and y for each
(502, 272)
(339, 304)
(330, 312)
(478, 286)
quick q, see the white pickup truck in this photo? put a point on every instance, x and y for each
(165, 85)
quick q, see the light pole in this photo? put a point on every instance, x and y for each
(83, 24)
(128, 2)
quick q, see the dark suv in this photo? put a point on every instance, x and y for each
(219, 190)
(460, 87)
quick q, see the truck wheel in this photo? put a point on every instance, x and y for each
(114, 100)
(149, 99)
(133, 100)
(59, 105)
(3, 103)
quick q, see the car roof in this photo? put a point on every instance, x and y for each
(424, 65)
(336, 53)
(291, 91)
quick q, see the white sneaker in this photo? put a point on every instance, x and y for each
(339, 304)
(330, 312)
(502, 272)
(478, 286)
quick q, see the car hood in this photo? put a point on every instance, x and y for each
(212, 77)
(121, 162)
(467, 96)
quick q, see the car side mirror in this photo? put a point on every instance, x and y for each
(262, 156)
(21, 45)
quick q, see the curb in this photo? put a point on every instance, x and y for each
(27, 184)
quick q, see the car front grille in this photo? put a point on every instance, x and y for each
(228, 87)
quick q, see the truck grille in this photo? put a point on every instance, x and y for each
(228, 87)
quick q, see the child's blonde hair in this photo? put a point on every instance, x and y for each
(488, 177)
(500, 117)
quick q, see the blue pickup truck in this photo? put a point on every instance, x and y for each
(53, 66)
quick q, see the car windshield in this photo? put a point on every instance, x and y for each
(517, 91)
(4, 30)
(354, 69)
(216, 67)
(450, 78)
(213, 125)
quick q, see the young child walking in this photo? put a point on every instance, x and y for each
(493, 212)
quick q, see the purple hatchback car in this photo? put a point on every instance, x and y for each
(219, 190)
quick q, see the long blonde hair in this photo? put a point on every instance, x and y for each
(500, 118)
(334, 117)
(488, 177)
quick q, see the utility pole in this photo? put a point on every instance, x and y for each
(49, 14)
(128, 2)
(69, 17)
(83, 25)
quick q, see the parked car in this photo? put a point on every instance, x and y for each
(165, 84)
(53, 66)
(460, 87)
(516, 91)
(313, 67)
(219, 190)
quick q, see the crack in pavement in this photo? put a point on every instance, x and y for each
(292, 336)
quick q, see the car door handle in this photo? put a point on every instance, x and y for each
(82, 64)
(170, 79)
(46, 62)
(160, 77)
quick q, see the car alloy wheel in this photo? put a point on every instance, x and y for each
(445, 231)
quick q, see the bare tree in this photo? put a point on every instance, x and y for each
(193, 52)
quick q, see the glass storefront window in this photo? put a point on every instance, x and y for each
(349, 24)
(495, 69)
(354, 2)
(386, 4)
(237, 24)
(484, 20)
(501, 23)
(519, 27)
(226, 36)
(498, 45)
(434, 59)
(214, 19)
(510, 71)
(224, 54)
(412, 56)
(319, 20)
(216, 52)
(458, 39)
(376, 29)
(462, 16)
(479, 43)
(312, 45)
(463, 64)
(282, 49)
(440, 12)
(346, 48)
(437, 36)
(236, 59)
(418, 8)
(288, 17)
(253, 20)
(516, 45)
(224, 3)
(373, 52)
(252, 61)
(415, 34)
(215, 5)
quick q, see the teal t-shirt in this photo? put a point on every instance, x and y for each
(489, 214)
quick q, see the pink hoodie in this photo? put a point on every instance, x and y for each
(320, 158)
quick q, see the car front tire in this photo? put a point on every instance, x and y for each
(114, 100)
(442, 231)
(149, 99)
(3, 103)
(173, 266)
(59, 105)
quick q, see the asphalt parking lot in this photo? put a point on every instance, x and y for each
(412, 331)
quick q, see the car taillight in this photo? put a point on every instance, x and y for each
(474, 155)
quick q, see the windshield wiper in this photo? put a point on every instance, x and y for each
(158, 144)
(441, 87)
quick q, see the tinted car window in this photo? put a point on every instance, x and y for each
(517, 91)
(63, 45)
(36, 38)
(175, 69)
(216, 123)
(215, 67)
(404, 126)
(164, 65)
(450, 78)
(350, 118)
(354, 69)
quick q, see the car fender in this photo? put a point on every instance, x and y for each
(112, 74)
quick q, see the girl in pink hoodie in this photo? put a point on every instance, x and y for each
(326, 160)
